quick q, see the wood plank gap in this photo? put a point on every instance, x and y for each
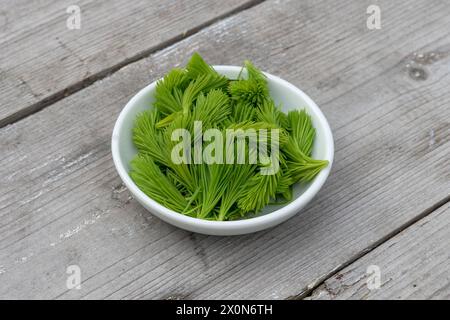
(44, 103)
(309, 292)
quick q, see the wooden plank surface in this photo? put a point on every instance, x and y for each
(42, 60)
(413, 265)
(62, 202)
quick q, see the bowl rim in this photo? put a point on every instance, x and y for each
(280, 214)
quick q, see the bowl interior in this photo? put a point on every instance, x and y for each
(283, 93)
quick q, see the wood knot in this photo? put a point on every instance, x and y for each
(417, 73)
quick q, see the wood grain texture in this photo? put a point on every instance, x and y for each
(42, 60)
(62, 203)
(415, 264)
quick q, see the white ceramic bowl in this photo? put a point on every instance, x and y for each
(283, 93)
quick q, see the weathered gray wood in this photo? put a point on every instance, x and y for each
(40, 57)
(62, 203)
(415, 264)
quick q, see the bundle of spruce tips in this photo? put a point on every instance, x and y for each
(220, 149)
